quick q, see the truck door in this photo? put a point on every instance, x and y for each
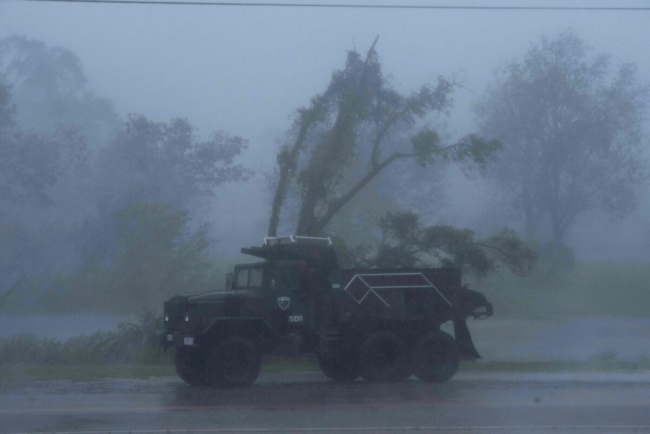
(289, 299)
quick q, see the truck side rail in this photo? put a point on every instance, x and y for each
(374, 283)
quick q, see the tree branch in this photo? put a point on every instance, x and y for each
(336, 205)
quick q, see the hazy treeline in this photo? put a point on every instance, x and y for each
(134, 341)
(98, 212)
(105, 213)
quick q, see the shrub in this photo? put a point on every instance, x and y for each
(134, 341)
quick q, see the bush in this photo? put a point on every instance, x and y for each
(157, 256)
(133, 342)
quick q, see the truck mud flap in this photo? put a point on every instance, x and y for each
(466, 348)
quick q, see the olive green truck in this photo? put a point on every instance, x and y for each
(381, 325)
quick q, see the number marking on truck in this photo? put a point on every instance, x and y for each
(295, 318)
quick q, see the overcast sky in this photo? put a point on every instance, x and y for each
(245, 69)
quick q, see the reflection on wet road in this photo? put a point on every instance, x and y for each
(308, 402)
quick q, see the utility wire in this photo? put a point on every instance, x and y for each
(354, 6)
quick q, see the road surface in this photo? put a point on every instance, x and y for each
(307, 402)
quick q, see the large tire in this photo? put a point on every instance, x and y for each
(437, 357)
(382, 358)
(234, 362)
(342, 368)
(189, 365)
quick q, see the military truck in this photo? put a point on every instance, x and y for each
(382, 325)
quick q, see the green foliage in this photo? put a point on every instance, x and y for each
(425, 145)
(156, 258)
(167, 163)
(473, 148)
(19, 373)
(352, 132)
(406, 243)
(82, 223)
(136, 341)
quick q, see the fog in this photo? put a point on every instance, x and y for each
(143, 145)
(245, 70)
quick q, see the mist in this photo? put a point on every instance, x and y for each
(470, 164)
(245, 71)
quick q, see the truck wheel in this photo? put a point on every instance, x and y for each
(189, 365)
(437, 357)
(382, 358)
(342, 368)
(234, 362)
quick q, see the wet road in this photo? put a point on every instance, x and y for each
(310, 403)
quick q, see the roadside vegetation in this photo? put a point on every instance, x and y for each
(133, 342)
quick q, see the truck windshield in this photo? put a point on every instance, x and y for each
(249, 278)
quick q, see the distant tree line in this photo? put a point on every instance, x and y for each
(99, 212)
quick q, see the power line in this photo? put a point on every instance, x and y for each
(354, 6)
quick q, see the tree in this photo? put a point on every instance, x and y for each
(358, 128)
(30, 166)
(155, 162)
(49, 87)
(156, 255)
(352, 132)
(571, 135)
(407, 243)
(27, 164)
(30, 163)
(166, 163)
(47, 134)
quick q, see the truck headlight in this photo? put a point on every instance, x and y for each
(166, 318)
(187, 317)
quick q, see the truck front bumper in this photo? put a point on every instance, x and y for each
(177, 339)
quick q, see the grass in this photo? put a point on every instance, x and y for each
(11, 373)
(16, 373)
(591, 289)
(556, 366)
